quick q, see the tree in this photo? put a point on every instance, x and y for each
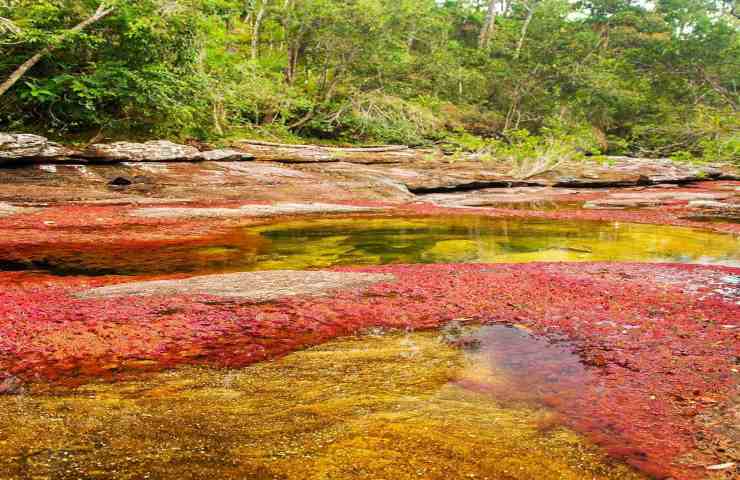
(489, 24)
(648, 80)
(529, 6)
(102, 11)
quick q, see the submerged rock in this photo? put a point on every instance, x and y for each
(10, 385)
(383, 406)
(618, 204)
(254, 286)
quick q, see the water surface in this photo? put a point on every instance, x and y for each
(384, 406)
(324, 243)
(327, 242)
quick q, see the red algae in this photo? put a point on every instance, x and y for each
(658, 345)
(663, 339)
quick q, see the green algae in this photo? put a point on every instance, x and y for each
(328, 242)
(380, 406)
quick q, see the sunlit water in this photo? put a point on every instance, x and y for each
(321, 243)
(381, 406)
(378, 406)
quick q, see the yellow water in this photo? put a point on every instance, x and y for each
(328, 242)
(384, 406)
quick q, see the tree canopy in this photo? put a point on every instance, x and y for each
(620, 76)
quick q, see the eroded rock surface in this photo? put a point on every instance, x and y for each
(26, 147)
(318, 154)
(250, 210)
(652, 198)
(253, 286)
(627, 171)
(309, 173)
(224, 155)
(7, 210)
(715, 210)
(504, 197)
(154, 151)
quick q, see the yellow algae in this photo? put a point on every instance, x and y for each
(376, 407)
(377, 240)
(215, 251)
(326, 242)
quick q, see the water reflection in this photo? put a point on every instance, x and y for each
(530, 369)
(323, 243)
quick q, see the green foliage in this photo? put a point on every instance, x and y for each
(590, 77)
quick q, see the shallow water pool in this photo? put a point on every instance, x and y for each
(383, 406)
(327, 242)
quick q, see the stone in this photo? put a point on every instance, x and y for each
(502, 197)
(209, 182)
(7, 210)
(262, 286)
(616, 204)
(120, 182)
(250, 210)
(668, 195)
(285, 153)
(27, 147)
(154, 151)
(224, 155)
(714, 205)
(652, 197)
(10, 385)
(319, 174)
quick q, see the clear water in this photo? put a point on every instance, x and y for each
(388, 405)
(322, 243)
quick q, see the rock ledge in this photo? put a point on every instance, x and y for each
(253, 286)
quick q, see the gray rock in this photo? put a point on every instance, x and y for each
(250, 210)
(714, 205)
(20, 147)
(154, 151)
(669, 195)
(224, 155)
(253, 286)
(7, 210)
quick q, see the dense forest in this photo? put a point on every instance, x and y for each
(636, 77)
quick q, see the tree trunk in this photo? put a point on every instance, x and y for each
(295, 46)
(293, 41)
(525, 27)
(328, 95)
(488, 26)
(256, 30)
(99, 14)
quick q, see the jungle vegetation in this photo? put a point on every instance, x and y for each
(636, 77)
